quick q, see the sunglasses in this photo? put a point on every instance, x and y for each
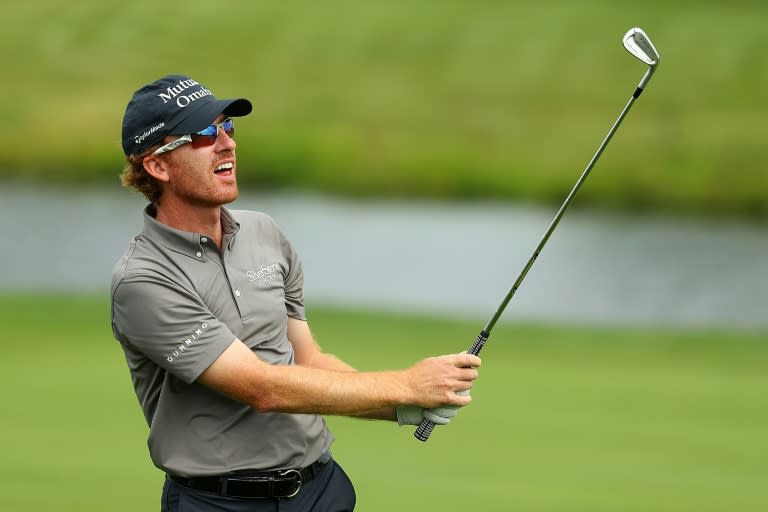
(201, 139)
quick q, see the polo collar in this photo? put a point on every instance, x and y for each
(186, 242)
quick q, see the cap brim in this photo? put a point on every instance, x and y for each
(205, 115)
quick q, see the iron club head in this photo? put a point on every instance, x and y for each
(637, 43)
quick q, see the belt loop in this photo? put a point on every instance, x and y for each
(223, 486)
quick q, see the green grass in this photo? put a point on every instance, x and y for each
(451, 98)
(571, 419)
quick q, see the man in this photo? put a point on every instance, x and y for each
(207, 304)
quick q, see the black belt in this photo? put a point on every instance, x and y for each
(250, 484)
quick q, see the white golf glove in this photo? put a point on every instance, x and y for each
(413, 414)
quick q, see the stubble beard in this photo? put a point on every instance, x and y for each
(203, 191)
(209, 195)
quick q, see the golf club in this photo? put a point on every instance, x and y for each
(638, 44)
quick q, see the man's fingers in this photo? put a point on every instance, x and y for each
(443, 380)
(464, 360)
(440, 415)
(462, 398)
(443, 414)
(436, 418)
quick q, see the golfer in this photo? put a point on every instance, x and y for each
(207, 304)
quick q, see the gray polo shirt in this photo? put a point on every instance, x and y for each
(177, 304)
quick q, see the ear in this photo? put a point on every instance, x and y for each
(156, 167)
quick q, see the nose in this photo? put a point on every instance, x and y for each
(223, 141)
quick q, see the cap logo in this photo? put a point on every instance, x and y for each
(138, 139)
(182, 100)
(172, 105)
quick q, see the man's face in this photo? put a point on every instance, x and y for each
(203, 176)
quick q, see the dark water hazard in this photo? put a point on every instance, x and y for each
(433, 257)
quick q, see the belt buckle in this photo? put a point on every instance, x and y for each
(289, 472)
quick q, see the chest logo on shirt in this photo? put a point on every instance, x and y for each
(264, 275)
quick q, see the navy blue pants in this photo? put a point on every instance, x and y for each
(330, 491)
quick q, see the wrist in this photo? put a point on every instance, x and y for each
(403, 389)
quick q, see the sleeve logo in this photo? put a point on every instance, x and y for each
(182, 347)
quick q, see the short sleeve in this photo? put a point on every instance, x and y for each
(294, 280)
(168, 324)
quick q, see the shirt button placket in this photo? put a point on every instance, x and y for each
(203, 240)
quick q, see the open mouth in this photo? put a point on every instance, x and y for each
(224, 169)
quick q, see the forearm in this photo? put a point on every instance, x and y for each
(241, 375)
(325, 361)
(385, 413)
(299, 389)
(331, 362)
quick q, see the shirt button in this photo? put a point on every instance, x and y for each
(203, 240)
(237, 292)
(199, 254)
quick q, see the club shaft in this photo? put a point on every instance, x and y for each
(559, 215)
(424, 430)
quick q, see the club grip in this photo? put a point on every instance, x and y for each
(424, 430)
(479, 343)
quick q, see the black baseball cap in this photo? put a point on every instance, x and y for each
(173, 105)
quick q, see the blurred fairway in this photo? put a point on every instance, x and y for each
(439, 98)
(563, 419)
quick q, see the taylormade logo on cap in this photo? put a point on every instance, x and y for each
(140, 138)
(173, 105)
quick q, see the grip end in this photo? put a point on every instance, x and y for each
(424, 430)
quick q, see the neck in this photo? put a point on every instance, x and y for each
(205, 220)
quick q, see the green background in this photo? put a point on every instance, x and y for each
(439, 99)
(449, 98)
(564, 419)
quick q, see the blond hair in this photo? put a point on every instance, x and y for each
(135, 176)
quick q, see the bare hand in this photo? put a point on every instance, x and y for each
(435, 381)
